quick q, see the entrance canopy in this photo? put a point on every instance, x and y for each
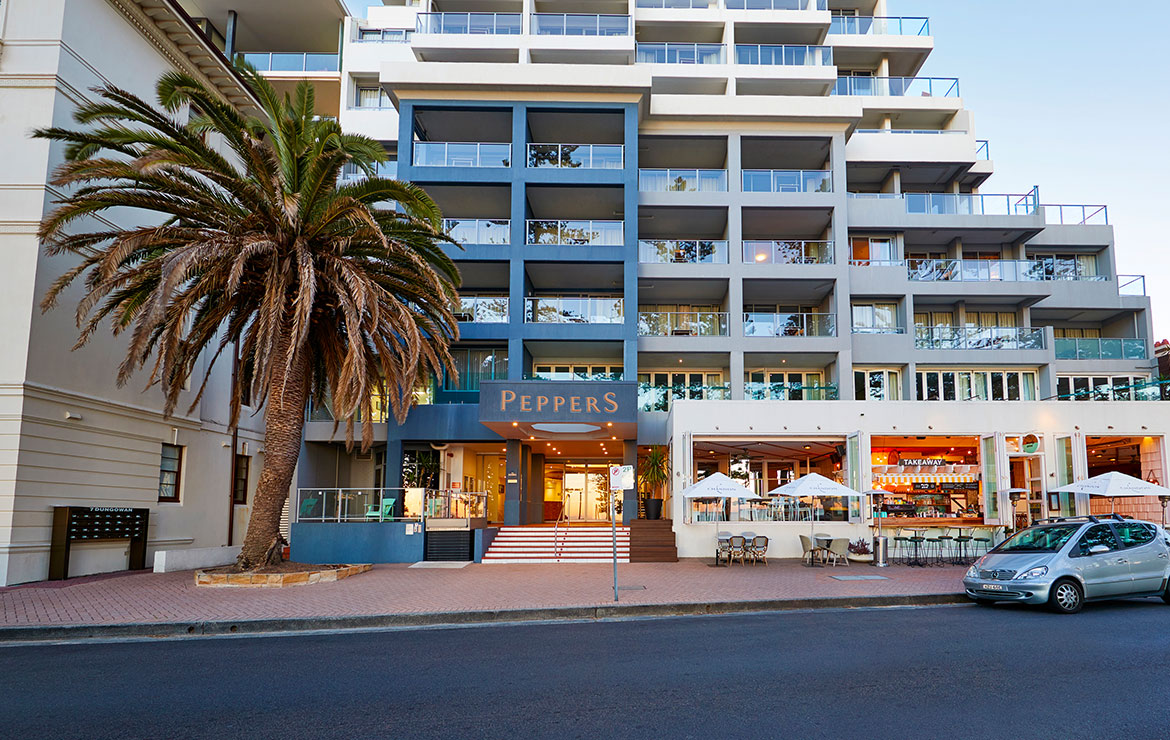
(1114, 485)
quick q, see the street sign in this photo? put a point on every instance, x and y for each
(621, 477)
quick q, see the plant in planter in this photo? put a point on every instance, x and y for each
(859, 551)
(653, 474)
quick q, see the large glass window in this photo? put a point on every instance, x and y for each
(875, 318)
(474, 365)
(170, 472)
(1103, 388)
(876, 385)
(976, 385)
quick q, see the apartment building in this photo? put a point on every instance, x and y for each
(756, 230)
(71, 437)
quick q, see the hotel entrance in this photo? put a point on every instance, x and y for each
(578, 490)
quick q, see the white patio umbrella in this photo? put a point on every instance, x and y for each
(814, 485)
(1114, 485)
(718, 485)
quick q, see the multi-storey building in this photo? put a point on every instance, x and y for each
(767, 237)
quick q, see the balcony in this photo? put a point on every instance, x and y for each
(573, 310)
(1077, 215)
(927, 87)
(674, 4)
(672, 53)
(1100, 349)
(653, 397)
(679, 181)
(877, 329)
(861, 25)
(461, 154)
(775, 54)
(493, 24)
(978, 337)
(682, 324)
(478, 230)
(291, 61)
(580, 24)
(788, 252)
(789, 325)
(787, 181)
(575, 233)
(962, 204)
(577, 156)
(777, 4)
(352, 173)
(1131, 284)
(682, 251)
(482, 310)
(983, 150)
(789, 392)
(990, 271)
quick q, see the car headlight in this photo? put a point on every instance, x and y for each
(972, 572)
(1033, 573)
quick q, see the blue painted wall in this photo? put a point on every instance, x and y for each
(355, 542)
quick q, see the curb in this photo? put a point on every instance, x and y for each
(42, 633)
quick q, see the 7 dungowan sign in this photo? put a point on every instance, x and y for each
(540, 408)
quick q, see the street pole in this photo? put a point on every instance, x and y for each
(613, 531)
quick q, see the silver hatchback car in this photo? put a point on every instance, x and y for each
(1066, 562)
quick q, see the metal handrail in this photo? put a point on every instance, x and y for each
(567, 155)
(795, 55)
(342, 499)
(787, 181)
(1054, 213)
(674, 4)
(494, 309)
(281, 61)
(999, 270)
(982, 149)
(777, 4)
(911, 131)
(972, 204)
(934, 87)
(1136, 284)
(551, 310)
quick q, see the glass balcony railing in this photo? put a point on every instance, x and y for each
(982, 149)
(857, 25)
(675, 4)
(789, 392)
(1131, 284)
(778, 54)
(971, 204)
(495, 24)
(978, 337)
(1100, 349)
(1075, 214)
(777, 4)
(788, 252)
(659, 397)
(577, 156)
(789, 325)
(1102, 389)
(671, 53)
(877, 329)
(573, 310)
(575, 233)
(921, 131)
(787, 181)
(682, 324)
(682, 251)
(928, 87)
(352, 173)
(478, 230)
(291, 61)
(580, 24)
(461, 154)
(383, 35)
(673, 181)
(480, 309)
(990, 271)
(583, 374)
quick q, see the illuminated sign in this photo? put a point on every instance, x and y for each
(529, 401)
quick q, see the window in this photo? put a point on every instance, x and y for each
(395, 35)
(976, 385)
(1098, 534)
(1133, 534)
(371, 97)
(875, 318)
(170, 472)
(474, 365)
(1071, 333)
(240, 486)
(1102, 388)
(787, 386)
(867, 249)
(569, 370)
(876, 385)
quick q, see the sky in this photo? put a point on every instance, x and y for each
(1069, 93)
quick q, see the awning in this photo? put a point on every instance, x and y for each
(906, 479)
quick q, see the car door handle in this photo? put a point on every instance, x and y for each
(1164, 555)
(1122, 561)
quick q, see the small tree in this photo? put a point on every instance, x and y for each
(654, 469)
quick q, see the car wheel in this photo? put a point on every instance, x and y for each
(1066, 597)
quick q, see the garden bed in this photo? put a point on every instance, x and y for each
(278, 576)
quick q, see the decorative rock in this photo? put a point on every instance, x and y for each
(279, 580)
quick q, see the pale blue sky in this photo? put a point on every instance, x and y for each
(1069, 93)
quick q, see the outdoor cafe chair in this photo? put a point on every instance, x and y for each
(723, 550)
(808, 551)
(839, 550)
(758, 549)
(738, 546)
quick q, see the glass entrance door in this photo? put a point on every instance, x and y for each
(584, 490)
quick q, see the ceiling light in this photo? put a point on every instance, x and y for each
(808, 447)
(515, 423)
(609, 423)
(761, 257)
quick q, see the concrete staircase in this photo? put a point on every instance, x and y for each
(546, 544)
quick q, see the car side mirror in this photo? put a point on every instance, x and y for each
(1098, 549)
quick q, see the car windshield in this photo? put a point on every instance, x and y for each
(1039, 539)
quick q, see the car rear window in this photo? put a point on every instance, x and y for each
(1039, 539)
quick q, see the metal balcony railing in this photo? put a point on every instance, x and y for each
(575, 233)
(978, 337)
(923, 131)
(682, 324)
(874, 329)
(929, 87)
(478, 309)
(990, 271)
(777, 4)
(291, 61)
(855, 25)
(786, 55)
(493, 24)
(1150, 390)
(461, 154)
(580, 24)
(682, 251)
(787, 181)
(789, 325)
(383, 35)
(351, 505)
(1131, 284)
(675, 180)
(1075, 214)
(573, 310)
(789, 392)
(982, 149)
(971, 204)
(478, 230)
(788, 252)
(577, 156)
(1100, 349)
(674, 4)
(653, 397)
(673, 53)
(352, 173)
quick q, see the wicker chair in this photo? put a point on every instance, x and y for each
(757, 549)
(808, 550)
(839, 550)
(738, 549)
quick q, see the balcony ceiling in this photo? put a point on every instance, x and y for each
(785, 223)
(564, 202)
(682, 223)
(485, 276)
(1068, 316)
(471, 201)
(575, 127)
(793, 361)
(682, 152)
(575, 278)
(785, 153)
(770, 291)
(611, 352)
(453, 124)
(915, 177)
(265, 25)
(691, 292)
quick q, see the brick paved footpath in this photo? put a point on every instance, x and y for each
(400, 589)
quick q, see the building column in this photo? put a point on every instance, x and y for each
(392, 473)
(536, 482)
(513, 502)
(630, 495)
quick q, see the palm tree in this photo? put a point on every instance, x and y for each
(254, 244)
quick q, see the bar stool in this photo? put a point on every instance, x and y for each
(917, 541)
(981, 541)
(961, 543)
(901, 552)
(935, 546)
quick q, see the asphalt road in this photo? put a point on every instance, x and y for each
(944, 672)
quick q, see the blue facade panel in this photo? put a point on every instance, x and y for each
(356, 542)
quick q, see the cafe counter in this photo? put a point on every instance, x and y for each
(927, 522)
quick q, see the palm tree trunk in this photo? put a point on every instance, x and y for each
(284, 423)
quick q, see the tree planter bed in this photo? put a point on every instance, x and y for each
(322, 574)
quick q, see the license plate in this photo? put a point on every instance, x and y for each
(991, 587)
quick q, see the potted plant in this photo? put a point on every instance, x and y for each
(653, 474)
(859, 551)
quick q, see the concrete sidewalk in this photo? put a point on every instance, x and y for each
(389, 595)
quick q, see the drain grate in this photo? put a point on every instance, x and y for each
(860, 578)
